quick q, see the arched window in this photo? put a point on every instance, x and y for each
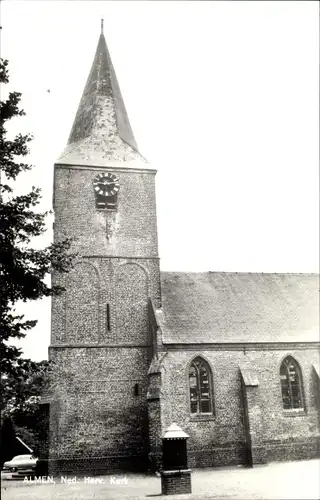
(200, 387)
(291, 384)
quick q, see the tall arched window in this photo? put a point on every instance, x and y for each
(200, 387)
(291, 384)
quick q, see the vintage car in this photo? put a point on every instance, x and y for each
(21, 464)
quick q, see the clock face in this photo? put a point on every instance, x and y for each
(106, 184)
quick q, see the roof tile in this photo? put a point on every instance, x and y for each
(239, 307)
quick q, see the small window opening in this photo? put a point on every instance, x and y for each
(108, 317)
(103, 203)
(137, 389)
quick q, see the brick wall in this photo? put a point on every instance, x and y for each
(175, 482)
(221, 439)
(131, 229)
(96, 412)
(79, 315)
(99, 337)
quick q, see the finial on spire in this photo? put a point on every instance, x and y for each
(101, 26)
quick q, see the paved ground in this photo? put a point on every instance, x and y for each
(285, 481)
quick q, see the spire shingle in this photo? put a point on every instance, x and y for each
(101, 130)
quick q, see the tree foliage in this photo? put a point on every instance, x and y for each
(7, 440)
(23, 269)
(22, 390)
(22, 402)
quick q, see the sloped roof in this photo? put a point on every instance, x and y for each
(316, 367)
(101, 130)
(249, 375)
(239, 307)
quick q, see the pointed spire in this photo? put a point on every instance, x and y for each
(101, 130)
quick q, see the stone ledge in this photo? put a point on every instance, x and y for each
(175, 472)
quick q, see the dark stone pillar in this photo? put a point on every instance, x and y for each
(253, 421)
(154, 418)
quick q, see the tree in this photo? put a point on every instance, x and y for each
(22, 402)
(23, 269)
(22, 391)
(7, 440)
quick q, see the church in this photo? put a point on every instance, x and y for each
(232, 358)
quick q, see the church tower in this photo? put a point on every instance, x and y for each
(104, 199)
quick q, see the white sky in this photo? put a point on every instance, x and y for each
(223, 101)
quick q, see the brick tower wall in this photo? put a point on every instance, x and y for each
(99, 339)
